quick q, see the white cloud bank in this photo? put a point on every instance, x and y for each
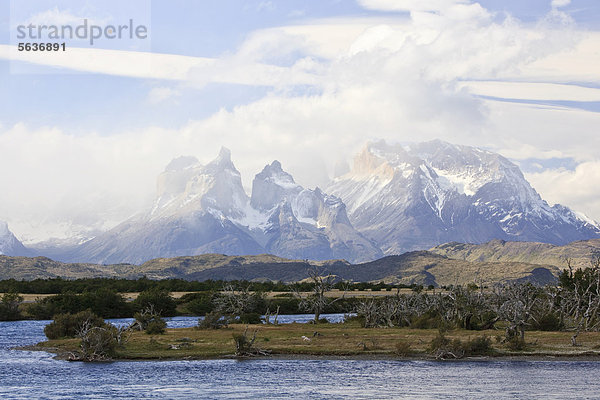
(405, 79)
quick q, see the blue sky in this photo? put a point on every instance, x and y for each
(291, 80)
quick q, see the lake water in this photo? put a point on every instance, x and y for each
(27, 375)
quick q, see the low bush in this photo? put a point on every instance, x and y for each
(515, 343)
(428, 320)
(548, 322)
(403, 348)
(480, 346)
(197, 303)
(348, 318)
(156, 327)
(160, 300)
(70, 325)
(212, 320)
(48, 307)
(149, 321)
(98, 343)
(249, 318)
(442, 347)
(105, 303)
(9, 307)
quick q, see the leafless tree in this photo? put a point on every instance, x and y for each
(236, 301)
(582, 300)
(317, 300)
(98, 343)
(244, 346)
(515, 303)
(268, 316)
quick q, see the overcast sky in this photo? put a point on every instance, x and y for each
(83, 134)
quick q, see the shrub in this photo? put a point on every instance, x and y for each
(428, 320)
(481, 345)
(106, 303)
(287, 304)
(439, 342)
(548, 322)
(156, 327)
(515, 343)
(197, 303)
(69, 325)
(403, 348)
(149, 321)
(48, 307)
(98, 343)
(443, 347)
(212, 320)
(348, 318)
(249, 318)
(161, 300)
(9, 307)
(244, 346)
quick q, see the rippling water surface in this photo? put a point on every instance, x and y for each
(26, 375)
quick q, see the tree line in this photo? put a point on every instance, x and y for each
(121, 285)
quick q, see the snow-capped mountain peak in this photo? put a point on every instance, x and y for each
(9, 244)
(395, 199)
(436, 191)
(272, 186)
(187, 186)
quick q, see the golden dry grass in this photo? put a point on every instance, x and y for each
(333, 339)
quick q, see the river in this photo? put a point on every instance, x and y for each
(27, 375)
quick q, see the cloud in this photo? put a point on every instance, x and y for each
(135, 64)
(577, 188)
(335, 84)
(410, 5)
(560, 3)
(159, 94)
(532, 91)
(265, 6)
(58, 17)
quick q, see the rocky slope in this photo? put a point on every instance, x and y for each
(420, 267)
(580, 253)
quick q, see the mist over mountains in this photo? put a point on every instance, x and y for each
(394, 199)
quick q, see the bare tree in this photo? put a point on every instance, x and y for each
(317, 300)
(581, 297)
(98, 343)
(244, 346)
(236, 301)
(515, 303)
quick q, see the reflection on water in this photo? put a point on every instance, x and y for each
(26, 375)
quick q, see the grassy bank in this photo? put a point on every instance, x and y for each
(347, 339)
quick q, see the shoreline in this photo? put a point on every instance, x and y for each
(570, 357)
(348, 341)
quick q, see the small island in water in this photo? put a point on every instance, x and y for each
(348, 339)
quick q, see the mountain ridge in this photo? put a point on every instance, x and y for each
(580, 254)
(204, 209)
(419, 267)
(410, 197)
(395, 199)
